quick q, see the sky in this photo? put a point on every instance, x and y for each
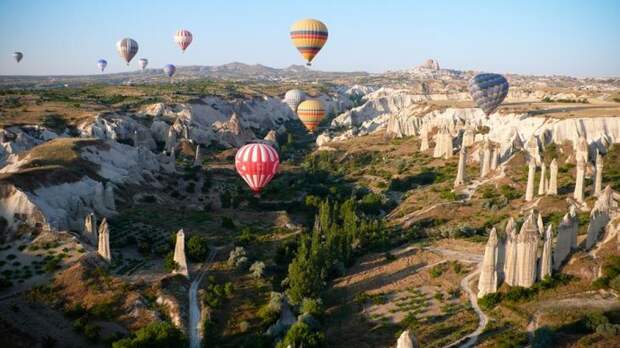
(564, 37)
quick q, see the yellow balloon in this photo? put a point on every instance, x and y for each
(309, 36)
(310, 113)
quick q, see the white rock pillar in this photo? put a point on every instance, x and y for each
(552, 188)
(407, 340)
(494, 157)
(572, 211)
(486, 159)
(447, 145)
(545, 261)
(108, 196)
(527, 250)
(424, 140)
(460, 174)
(542, 185)
(487, 283)
(103, 247)
(90, 229)
(510, 265)
(563, 241)
(198, 158)
(179, 255)
(581, 168)
(598, 180)
(136, 141)
(529, 190)
(468, 137)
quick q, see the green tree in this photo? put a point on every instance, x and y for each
(304, 275)
(154, 335)
(197, 248)
(302, 335)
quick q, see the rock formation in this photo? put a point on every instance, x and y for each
(529, 190)
(424, 146)
(198, 157)
(407, 340)
(272, 138)
(136, 141)
(108, 196)
(598, 180)
(510, 264)
(552, 188)
(527, 249)
(487, 282)
(545, 260)
(103, 247)
(179, 255)
(600, 216)
(581, 149)
(460, 174)
(171, 140)
(485, 163)
(581, 169)
(566, 238)
(542, 186)
(533, 149)
(443, 144)
(393, 129)
(494, 157)
(90, 229)
(468, 137)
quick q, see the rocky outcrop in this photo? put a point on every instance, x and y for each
(460, 174)
(119, 127)
(598, 180)
(552, 188)
(529, 190)
(424, 146)
(485, 162)
(90, 229)
(17, 139)
(545, 259)
(407, 340)
(179, 255)
(443, 144)
(527, 250)
(566, 239)
(600, 216)
(542, 185)
(579, 179)
(103, 246)
(488, 280)
(510, 263)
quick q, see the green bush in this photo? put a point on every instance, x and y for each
(302, 335)
(197, 248)
(169, 263)
(436, 271)
(155, 335)
(489, 301)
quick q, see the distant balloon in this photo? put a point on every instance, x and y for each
(293, 98)
(488, 91)
(169, 70)
(127, 49)
(102, 63)
(143, 62)
(183, 38)
(309, 36)
(257, 164)
(310, 113)
(18, 56)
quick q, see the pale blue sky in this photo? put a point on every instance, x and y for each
(580, 38)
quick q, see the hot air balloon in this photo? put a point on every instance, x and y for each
(309, 36)
(257, 164)
(183, 38)
(293, 97)
(18, 56)
(102, 63)
(169, 70)
(127, 49)
(311, 112)
(488, 91)
(143, 62)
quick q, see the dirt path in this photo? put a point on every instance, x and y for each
(195, 326)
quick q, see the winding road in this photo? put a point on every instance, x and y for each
(194, 327)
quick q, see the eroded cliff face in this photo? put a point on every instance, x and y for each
(14, 140)
(16, 210)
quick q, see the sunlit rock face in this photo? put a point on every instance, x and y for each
(489, 270)
(17, 139)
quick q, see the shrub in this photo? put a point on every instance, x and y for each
(197, 248)
(543, 337)
(302, 335)
(257, 269)
(169, 263)
(154, 335)
(436, 271)
(238, 258)
(313, 307)
(489, 301)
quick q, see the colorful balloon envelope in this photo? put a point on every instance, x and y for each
(257, 164)
(310, 113)
(169, 70)
(309, 36)
(18, 56)
(293, 98)
(127, 49)
(488, 91)
(183, 38)
(102, 63)
(142, 63)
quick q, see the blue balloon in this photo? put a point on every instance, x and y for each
(488, 91)
(169, 70)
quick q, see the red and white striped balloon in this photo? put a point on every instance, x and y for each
(257, 164)
(183, 38)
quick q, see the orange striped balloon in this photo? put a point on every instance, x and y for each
(309, 36)
(311, 112)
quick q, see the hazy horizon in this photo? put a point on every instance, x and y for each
(67, 37)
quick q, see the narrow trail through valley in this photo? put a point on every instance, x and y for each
(194, 326)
